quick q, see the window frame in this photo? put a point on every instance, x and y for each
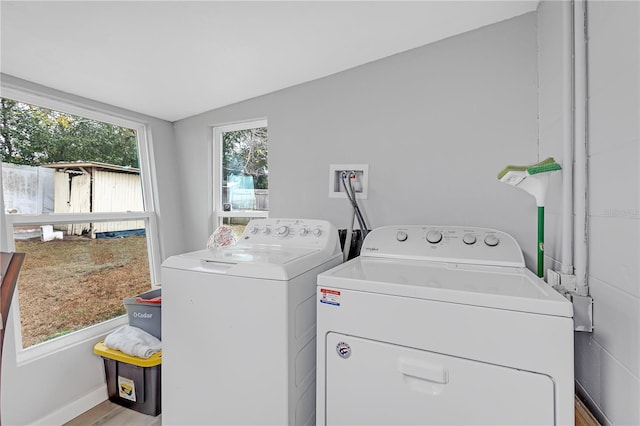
(218, 212)
(147, 176)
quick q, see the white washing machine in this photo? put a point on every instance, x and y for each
(442, 326)
(239, 326)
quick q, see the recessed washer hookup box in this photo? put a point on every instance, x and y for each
(144, 311)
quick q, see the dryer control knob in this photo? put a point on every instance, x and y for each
(304, 232)
(434, 236)
(317, 232)
(469, 239)
(266, 231)
(401, 236)
(283, 231)
(254, 229)
(491, 240)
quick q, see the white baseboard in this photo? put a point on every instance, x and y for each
(74, 409)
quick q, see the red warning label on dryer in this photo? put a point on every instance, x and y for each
(330, 297)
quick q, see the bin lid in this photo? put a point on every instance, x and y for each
(101, 349)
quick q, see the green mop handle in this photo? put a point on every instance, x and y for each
(540, 241)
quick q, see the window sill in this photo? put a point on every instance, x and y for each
(244, 213)
(44, 349)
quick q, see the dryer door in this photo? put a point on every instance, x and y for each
(374, 383)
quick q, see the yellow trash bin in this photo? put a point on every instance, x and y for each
(131, 381)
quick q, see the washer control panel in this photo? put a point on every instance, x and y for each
(288, 232)
(452, 244)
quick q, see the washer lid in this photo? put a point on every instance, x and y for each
(498, 287)
(251, 261)
(244, 253)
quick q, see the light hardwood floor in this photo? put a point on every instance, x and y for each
(109, 414)
(583, 415)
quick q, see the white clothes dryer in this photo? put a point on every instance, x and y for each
(442, 325)
(238, 326)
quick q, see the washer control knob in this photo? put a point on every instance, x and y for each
(434, 237)
(283, 231)
(401, 236)
(254, 229)
(304, 232)
(491, 240)
(317, 232)
(469, 239)
(266, 231)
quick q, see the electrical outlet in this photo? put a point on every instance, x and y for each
(360, 181)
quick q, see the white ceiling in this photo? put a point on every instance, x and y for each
(174, 59)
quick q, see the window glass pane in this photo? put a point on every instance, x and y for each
(63, 163)
(237, 223)
(69, 282)
(75, 275)
(245, 185)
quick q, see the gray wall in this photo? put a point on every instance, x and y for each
(44, 387)
(607, 361)
(551, 124)
(435, 124)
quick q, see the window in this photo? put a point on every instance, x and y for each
(77, 201)
(241, 185)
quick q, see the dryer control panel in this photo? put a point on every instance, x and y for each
(452, 244)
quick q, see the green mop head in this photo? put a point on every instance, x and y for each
(548, 165)
(533, 178)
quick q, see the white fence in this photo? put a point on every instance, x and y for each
(259, 199)
(27, 189)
